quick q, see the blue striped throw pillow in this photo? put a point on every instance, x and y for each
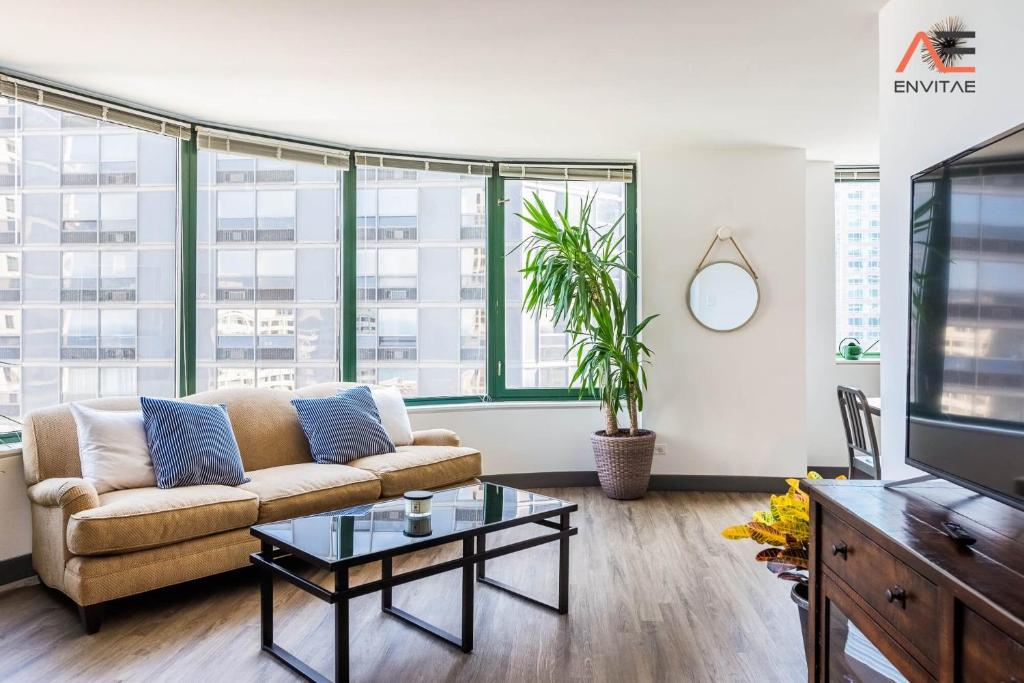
(343, 427)
(191, 444)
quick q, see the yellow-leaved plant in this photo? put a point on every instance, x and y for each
(786, 527)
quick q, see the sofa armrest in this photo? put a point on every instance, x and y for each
(435, 437)
(71, 494)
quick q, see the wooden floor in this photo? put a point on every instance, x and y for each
(656, 595)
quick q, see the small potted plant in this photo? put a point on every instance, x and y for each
(785, 527)
(570, 268)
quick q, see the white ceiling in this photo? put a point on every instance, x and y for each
(530, 78)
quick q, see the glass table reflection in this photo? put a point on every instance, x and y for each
(354, 533)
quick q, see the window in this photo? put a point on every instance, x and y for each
(535, 349)
(88, 249)
(421, 274)
(857, 231)
(118, 158)
(119, 213)
(306, 266)
(268, 249)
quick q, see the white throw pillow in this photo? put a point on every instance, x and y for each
(393, 415)
(112, 448)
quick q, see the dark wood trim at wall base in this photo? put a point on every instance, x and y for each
(659, 482)
(16, 569)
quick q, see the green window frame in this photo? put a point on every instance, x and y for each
(496, 389)
(496, 360)
(189, 171)
(495, 301)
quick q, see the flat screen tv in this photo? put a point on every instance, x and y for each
(965, 369)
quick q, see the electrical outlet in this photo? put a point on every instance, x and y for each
(659, 449)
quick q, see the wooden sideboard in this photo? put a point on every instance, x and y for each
(893, 597)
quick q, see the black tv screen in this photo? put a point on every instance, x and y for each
(965, 378)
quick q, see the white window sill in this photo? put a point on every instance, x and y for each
(862, 361)
(504, 405)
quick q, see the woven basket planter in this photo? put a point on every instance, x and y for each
(624, 462)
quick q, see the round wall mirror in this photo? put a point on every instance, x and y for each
(723, 296)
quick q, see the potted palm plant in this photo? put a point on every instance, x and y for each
(570, 268)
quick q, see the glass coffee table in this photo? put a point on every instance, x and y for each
(337, 541)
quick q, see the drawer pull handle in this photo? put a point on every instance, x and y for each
(839, 549)
(896, 594)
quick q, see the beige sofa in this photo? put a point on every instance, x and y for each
(98, 547)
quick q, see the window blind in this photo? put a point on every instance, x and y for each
(593, 173)
(848, 174)
(252, 145)
(32, 93)
(420, 164)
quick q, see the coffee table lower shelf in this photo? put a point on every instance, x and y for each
(475, 554)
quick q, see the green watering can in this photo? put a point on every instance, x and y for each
(850, 348)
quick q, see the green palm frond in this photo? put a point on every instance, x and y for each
(570, 268)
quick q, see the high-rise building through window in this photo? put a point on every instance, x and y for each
(268, 287)
(421, 281)
(88, 240)
(96, 236)
(857, 242)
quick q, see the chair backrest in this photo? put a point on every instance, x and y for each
(264, 422)
(861, 442)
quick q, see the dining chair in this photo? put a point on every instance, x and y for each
(861, 442)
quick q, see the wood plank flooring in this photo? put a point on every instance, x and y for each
(656, 595)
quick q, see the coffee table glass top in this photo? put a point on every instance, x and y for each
(350, 535)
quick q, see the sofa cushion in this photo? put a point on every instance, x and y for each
(191, 444)
(134, 519)
(309, 488)
(421, 467)
(113, 449)
(394, 416)
(343, 427)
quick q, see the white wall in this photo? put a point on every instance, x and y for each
(825, 442)
(725, 404)
(522, 438)
(918, 130)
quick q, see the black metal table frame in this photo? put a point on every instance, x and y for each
(474, 554)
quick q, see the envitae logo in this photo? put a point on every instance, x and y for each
(941, 48)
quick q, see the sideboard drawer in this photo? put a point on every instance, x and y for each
(988, 654)
(900, 595)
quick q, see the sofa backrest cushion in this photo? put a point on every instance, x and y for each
(113, 449)
(191, 444)
(264, 421)
(343, 427)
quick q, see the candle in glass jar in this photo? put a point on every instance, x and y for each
(417, 503)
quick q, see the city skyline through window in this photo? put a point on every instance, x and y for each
(421, 269)
(92, 250)
(268, 259)
(88, 240)
(857, 242)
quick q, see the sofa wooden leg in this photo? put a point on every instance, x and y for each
(91, 616)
